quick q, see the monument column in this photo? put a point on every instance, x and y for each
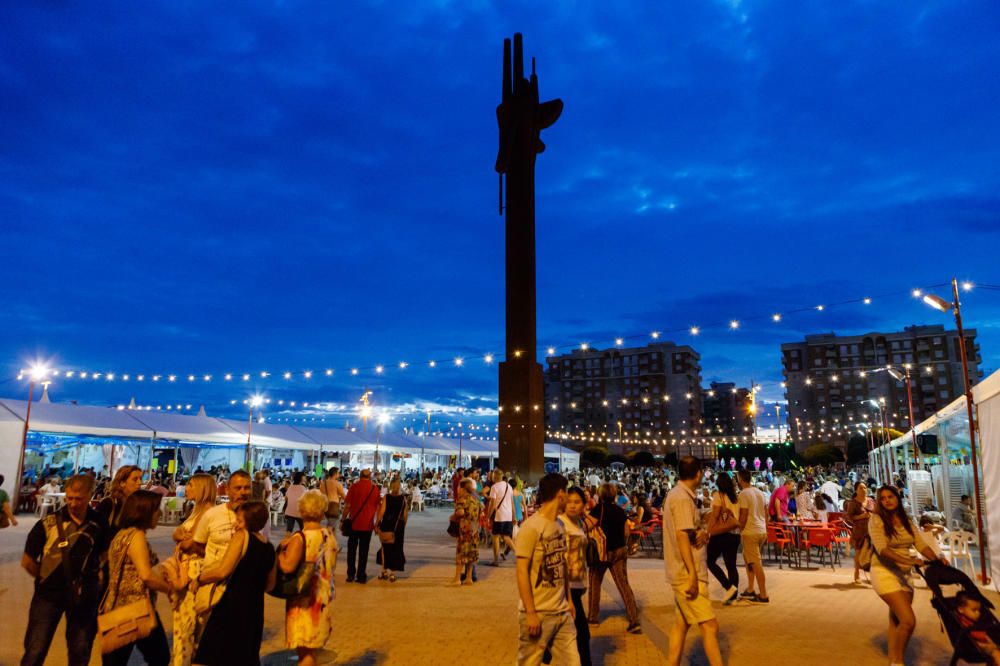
(522, 399)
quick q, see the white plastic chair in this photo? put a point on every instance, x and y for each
(959, 552)
(417, 503)
(48, 503)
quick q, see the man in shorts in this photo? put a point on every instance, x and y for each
(753, 534)
(684, 541)
(501, 509)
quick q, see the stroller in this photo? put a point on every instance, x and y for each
(939, 576)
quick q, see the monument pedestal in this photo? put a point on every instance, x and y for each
(522, 419)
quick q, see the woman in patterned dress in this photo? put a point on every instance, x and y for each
(467, 510)
(134, 575)
(309, 618)
(200, 489)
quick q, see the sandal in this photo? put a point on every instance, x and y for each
(392, 578)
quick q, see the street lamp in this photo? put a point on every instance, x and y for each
(905, 376)
(36, 373)
(254, 402)
(955, 306)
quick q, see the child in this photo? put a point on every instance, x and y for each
(969, 609)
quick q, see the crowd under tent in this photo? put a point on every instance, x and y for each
(72, 436)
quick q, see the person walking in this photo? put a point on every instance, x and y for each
(466, 514)
(518, 500)
(309, 617)
(501, 509)
(128, 479)
(545, 615)
(292, 495)
(753, 535)
(360, 509)
(723, 523)
(684, 541)
(335, 494)
(201, 490)
(393, 513)
(67, 579)
(134, 575)
(613, 521)
(857, 512)
(215, 529)
(573, 522)
(7, 518)
(248, 566)
(894, 538)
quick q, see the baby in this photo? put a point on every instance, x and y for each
(969, 609)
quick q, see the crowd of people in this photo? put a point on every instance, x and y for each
(92, 562)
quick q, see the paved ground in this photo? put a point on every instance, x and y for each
(815, 617)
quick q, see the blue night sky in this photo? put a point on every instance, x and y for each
(309, 185)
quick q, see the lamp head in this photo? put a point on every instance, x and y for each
(938, 303)
(38, 371)
(256, 401)
(895, 374)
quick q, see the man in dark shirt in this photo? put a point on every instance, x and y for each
(63, 555)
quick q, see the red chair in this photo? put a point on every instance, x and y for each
(821, 538)
(646, 531)
(781, 542)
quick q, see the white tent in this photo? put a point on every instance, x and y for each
(987, 399)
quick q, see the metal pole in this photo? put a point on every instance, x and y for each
(246, 457)
(913, 424)
(24, 446)
(972, 431)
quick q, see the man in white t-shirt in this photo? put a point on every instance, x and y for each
(546, 616)
(216, 527)
(753, 534)
(594, 481)
(684, 541)
(501, 509)
(831, 489)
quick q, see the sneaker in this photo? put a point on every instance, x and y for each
(730, 594)
(761, 600)
(350, 579)
(362, 579)
(634, 628)
(747, 594)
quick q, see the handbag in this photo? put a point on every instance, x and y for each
(347, 524)
(388, 538)
(124, 624)
(597, 541)
(296, 584)
(207, 597)
(453, 529)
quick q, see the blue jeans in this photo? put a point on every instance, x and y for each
(81, 627)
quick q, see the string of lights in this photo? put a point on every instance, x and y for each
(482, 358)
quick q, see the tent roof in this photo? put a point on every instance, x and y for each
(187, 428)
(79, 420)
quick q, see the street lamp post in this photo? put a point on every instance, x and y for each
(35, 374)
(901, 377)
(383, 418)
(955, 307)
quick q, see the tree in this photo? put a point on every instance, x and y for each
(857, 449)
(596, 456)
(822, 454)
(642, 458)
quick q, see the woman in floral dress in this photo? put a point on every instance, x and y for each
(467, 510)
(309, 618)
(201, 489)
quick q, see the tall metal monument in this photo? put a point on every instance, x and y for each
(522, 400)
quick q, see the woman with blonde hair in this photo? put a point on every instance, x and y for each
(202, 491)
(392, 516)
(128, 479)
(309, 617)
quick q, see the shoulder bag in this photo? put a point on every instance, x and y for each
(126, 624)
(387, 538)
(865, 553)
(208, 596)
(296, 584)
(347, 524)
(597, 541)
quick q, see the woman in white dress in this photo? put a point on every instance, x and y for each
(894, 539)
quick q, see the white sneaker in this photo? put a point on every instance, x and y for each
(730, 594)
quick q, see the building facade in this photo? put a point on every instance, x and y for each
(726, 410)
(837, 386)
(642, 398)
